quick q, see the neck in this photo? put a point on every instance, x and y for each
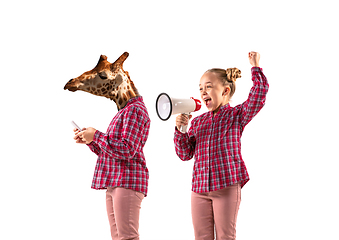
(124, 91)
(123, 97)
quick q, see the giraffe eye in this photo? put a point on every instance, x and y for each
(103, 75)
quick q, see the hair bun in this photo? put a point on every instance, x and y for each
(233, 74)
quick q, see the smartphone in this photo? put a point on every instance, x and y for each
(76, 126)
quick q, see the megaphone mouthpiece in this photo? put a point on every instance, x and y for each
(197, 104)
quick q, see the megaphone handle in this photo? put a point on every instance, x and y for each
(183, 129)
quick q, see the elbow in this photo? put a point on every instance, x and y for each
(184, 157)
(267, 86)
(128, 151)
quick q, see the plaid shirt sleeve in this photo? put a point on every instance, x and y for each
(184, 145)
(256, 98)
(131, 137)
(94, 147)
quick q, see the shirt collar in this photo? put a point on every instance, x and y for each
(226, 106)
(132, 100)
(222, 108)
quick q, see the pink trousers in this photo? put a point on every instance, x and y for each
(123, 208)
(216, 210)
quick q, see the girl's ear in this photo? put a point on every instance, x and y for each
(226, 91)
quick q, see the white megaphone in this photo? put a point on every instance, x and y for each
(167, 106)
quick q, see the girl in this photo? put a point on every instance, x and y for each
(214, 140)
(121, 166)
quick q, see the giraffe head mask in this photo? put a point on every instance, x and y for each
(108, 80)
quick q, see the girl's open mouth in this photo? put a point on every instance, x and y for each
(207, 101)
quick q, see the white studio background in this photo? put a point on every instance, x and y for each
(290, 147)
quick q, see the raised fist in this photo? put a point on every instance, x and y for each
(254, 58)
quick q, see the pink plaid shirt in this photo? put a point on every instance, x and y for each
(214, 141)
(121, 161)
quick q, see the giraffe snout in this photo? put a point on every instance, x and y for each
(70, 86)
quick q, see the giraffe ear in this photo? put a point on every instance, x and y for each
(118, 63)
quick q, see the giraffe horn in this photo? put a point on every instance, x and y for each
(102, 58)
(118, 63)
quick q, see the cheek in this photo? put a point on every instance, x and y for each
(217, 97)
(214, 95)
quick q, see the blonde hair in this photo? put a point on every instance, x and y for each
(227, 77)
